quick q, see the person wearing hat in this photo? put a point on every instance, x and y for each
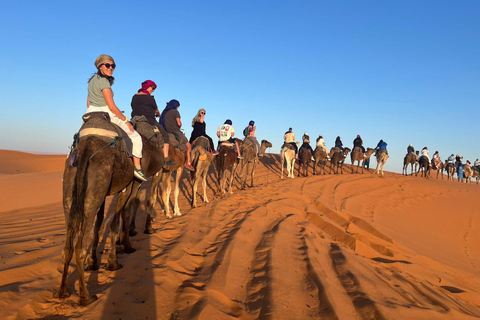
(100, 99)
(436, 159)
(410, 149)
(171, 121)
(144, 104)
(225, 133)
(357, 142)
(451, 159)
(458, 161)
(251, 136)
(306, 143)
(200, 130)
(289, 138)
(382, 145)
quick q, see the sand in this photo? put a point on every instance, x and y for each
(351, 246)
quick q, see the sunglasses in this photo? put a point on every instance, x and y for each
(202, 112)
(108, 65)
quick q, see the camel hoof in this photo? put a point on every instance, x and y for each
(87, 301)
(149, 231)
(129, 250)
(61, 294)
(177, 214)
(169, 216)
(92, 266)
(114, 266)
(132, 233)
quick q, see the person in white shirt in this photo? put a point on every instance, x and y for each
(225, 133)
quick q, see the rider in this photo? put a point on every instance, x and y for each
(321, 144)
(170, 120)
(458, 161)
(451, 159)
(436, 159)
(359, 143)
(144, 104)
(289, 137)
(477, 164)
(306, 143)
(199, 130)
(100, 98)
(382, 145)
(425, 153)
(251, 135)
(225, 133)
(410, 149)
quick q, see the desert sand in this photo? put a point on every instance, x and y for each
(351, 246)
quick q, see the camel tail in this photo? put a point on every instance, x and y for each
(79, 190)
(195, 155)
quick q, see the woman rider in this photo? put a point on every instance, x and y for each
(100, 98)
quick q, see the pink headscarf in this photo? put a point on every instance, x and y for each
(147, 84)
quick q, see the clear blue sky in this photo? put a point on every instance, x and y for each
(401, 71)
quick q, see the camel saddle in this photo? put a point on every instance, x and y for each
(249, 143)
(226, 144)
(288, 145)
(202, 142)
(98, 124)
(151, 132)
(175, 141)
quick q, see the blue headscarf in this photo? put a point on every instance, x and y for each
(228, 121)
(172, 104)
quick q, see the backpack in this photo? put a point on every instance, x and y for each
(245, 132)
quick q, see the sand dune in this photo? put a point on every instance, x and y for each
(351, 246)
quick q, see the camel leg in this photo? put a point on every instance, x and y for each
(234, 167)
(204, 184)
(167, 188)
(72, 227)
(81, 249)
(283, 159)
(151, 200)
(93, 261)
(135, 203)
(194, 189)
(124, 203)
(253, 171)
(178, 176)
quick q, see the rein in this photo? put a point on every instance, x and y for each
(112, 143)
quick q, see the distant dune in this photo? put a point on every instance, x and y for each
(351, 246)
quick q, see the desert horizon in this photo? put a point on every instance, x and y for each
(346, 246)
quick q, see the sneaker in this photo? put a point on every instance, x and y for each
(189, 167)
(239, 157)
(313, 159)
(364, 155)
(169, 163)
(214, 153)
(138, 173)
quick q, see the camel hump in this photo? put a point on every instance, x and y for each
(201, 141)
(98, 124)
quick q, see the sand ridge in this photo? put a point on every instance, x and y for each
(351, 246)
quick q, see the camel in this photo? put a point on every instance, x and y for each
(304, 158)
(152, 164)
(338, 158)
(424, 166)
(320, 156)
(227, 157)
(382, 158)
(249, 155)
(288, 156)
(450, 168)
(201, 160)
(412, 159)
(100, 172)
(476, 173)
(358, 155)
(467, 173)
(178, 157)
(439, 168)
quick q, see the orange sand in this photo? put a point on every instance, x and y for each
(351, 246)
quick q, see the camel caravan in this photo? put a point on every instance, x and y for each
(321, 156)
(465, 172)
(112, 155)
